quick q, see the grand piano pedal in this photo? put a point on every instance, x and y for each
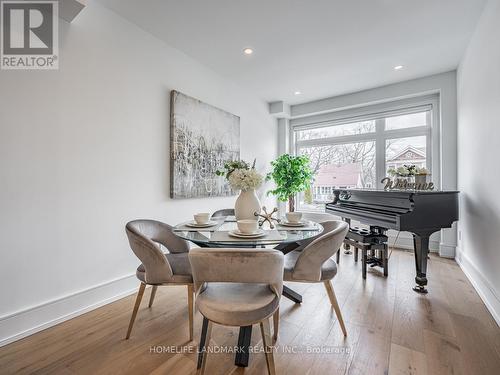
(420, 289)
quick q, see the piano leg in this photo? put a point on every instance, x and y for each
(421, 247)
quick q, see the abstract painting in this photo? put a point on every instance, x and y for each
(202, 138)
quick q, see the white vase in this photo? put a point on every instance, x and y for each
(246, 205)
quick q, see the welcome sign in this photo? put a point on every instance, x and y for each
(402, 184)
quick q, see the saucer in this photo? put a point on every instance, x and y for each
(238, 234)
(290, 224)
(194, 224)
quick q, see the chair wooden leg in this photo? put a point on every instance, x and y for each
(138, 299)
(153, 294)
(335, 304)
(201, 370)
(190, 291)
(268, 349)
(276, 324)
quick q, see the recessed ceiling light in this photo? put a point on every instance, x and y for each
(248, 51)
(398, 67)
(297, 93)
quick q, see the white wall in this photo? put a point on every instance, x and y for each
(445, 85)
(85, 149)
(478, 144)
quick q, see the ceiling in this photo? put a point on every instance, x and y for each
(318, 47)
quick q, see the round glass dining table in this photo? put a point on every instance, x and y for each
(218, 235)
(283, 238)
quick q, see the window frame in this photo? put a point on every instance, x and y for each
(377, 112)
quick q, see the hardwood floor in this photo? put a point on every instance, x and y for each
(391, 329)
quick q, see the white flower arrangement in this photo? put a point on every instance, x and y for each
(402, 172)
(245, 179)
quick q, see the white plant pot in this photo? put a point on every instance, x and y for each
(420, 179)
(246, 205)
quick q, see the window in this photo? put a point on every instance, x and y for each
(357, 151)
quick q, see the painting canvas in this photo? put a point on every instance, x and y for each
(202, 138)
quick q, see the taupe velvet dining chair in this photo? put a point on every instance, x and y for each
(238, 287)
(146, 238)
(314, 263)
(328, 226)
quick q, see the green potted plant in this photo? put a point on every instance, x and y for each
(291, 175)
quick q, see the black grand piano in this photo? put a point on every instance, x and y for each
(419, 212)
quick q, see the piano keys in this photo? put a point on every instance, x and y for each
(419, 212)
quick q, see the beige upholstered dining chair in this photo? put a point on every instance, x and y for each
(146, 238)
(238, 287)
(314, 264)
(328, 226)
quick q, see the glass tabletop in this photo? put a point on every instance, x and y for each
(207, 237)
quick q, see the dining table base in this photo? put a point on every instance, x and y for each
(291, 294)
(242, 354)
(201, 345)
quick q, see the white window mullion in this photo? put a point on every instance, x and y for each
(409, 132)
(380, 152)
(368, 137)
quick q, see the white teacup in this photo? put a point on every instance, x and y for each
(293, 217)
(202, 218)
(248, 226)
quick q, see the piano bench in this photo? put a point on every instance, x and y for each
(369, 242)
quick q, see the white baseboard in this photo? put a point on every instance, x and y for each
(483, 287)
(28, 321)
(447, 251)
(405, 242)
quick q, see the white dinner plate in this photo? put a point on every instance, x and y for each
(238, 234)
(289, 224)
(194, 224)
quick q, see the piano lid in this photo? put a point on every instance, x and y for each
(397, 209)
